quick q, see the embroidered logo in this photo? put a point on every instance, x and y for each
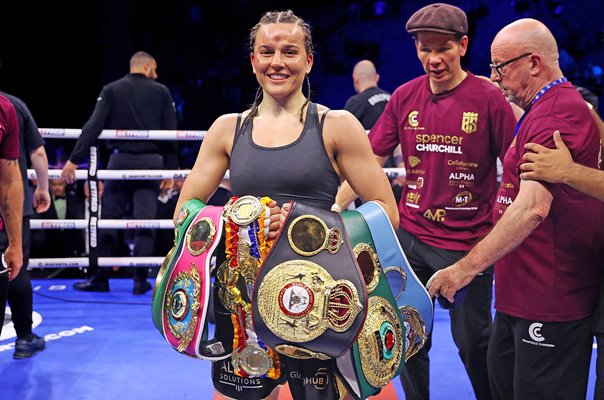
(469, 122)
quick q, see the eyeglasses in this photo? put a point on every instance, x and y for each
(497, 67)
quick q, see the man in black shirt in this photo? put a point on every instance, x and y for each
(367, 105)
(134, 102)
(369, 102)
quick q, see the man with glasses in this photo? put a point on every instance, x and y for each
(547, 236)
(499, 68)
(452, 126)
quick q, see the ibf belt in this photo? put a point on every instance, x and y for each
(310, 299)
(379, 352)
(180, 303)
(413, 300)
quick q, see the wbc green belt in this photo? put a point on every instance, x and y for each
(187, 213)
(378, 355)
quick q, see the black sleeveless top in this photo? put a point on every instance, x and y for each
(300, 171)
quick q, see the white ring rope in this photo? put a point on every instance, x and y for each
(60, 133)
(123, 174)
(145, 174)
(75, 262)
(102, 223)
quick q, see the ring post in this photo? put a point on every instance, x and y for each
(93, 209)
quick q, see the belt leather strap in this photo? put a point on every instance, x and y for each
(410, 294)
(378, 355)
(310, 294)
(182, 295)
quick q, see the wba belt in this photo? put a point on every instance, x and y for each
(309, 298)
(379, 352)
(412, 298)
(182, 290)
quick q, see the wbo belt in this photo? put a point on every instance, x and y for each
(309, 299)
(182, 291)
(412, 298)
(378, 355)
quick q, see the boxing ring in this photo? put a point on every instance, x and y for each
(94, 221)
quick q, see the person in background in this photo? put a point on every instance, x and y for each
(134, 102)
(367, 105)
(20, 296)
(166, 204)
(452, 126)
(547, 239)
(11, 200)
(369, 102)
(65, 204)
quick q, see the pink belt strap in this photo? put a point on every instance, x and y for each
(187, 292)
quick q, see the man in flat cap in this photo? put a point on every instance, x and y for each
(452, 126)
(547, 236)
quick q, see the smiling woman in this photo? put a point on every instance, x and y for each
(281, 50)
(289, 149)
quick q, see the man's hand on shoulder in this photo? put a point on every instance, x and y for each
(550, 165)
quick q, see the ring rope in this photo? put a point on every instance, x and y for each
(93, 222)
(117, 134)
(102, 224)
(145, 174)
(75, 262)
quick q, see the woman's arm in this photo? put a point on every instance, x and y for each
(349, 146)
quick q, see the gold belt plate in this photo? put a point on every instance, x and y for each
(298, 300)
(181, 312)
(380, 342)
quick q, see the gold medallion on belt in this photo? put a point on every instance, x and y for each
(182, 305)
(309, 235)
(243, 210)
(380, 342)
(298, 300)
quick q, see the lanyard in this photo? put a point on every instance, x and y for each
(537, 97)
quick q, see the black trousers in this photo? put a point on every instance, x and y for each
(18, 291)
(3, 294)
(533, 360)
(598, 331)
(139, 197)
(470, 323)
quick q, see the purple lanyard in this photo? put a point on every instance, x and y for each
(537, 97)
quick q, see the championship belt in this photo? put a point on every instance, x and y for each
(182, 290)
(247, 220)
(413, 300)
(379, 352)
(310, 299)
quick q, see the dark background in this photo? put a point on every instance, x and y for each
(57, 56)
